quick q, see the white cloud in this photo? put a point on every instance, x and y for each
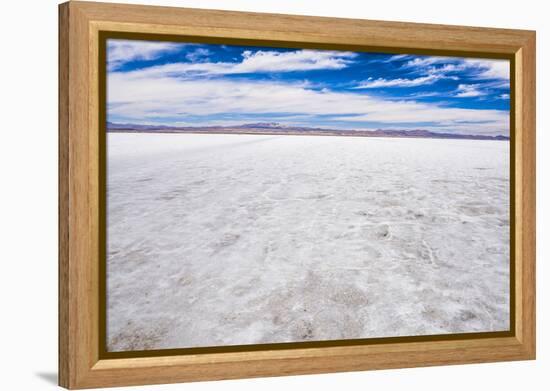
(482, 68)
(300, 60)
(174, 90)
(490, 69)
(429, 60)
(156, 97)
(424, 66)
(381, 82)
(397, 57)
(426, 94)
(123, 51)
(198, 54)
(468, 91)
(259, 61)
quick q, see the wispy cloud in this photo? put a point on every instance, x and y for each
(429, 74)
(427, 94)
(198, 54)
(381, 82)
(433, 69)
(253, 62)
(421, 62)
(397, 57)
(479, 68)
(490, 69)
(469, 91)
(300, 60)
(120, 52)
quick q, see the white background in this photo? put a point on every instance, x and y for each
(28, 193)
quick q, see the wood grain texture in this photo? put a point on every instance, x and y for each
(63, 177)
(80, 24)
(526, 122)
(78, 283)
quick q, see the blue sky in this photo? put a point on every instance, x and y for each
(204, 85)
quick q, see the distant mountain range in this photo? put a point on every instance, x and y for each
(276, 128)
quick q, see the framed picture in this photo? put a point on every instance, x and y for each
(248, 195)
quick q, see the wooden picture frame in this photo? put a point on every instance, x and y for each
(81, 363)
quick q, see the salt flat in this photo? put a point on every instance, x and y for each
(245, 239)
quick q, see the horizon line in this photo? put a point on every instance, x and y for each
(271, 128)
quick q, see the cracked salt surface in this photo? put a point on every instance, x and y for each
(246, 239)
